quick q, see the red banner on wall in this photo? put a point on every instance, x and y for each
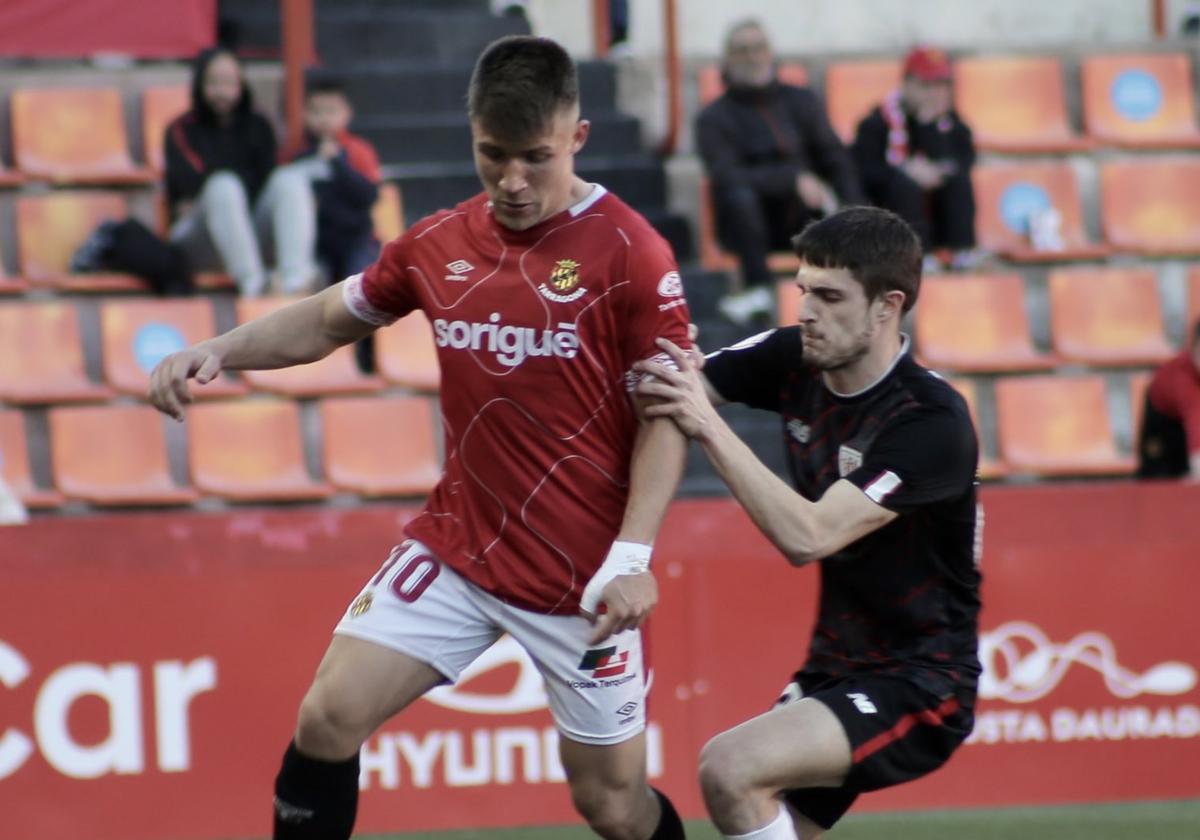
(75, 29)
(151, 666)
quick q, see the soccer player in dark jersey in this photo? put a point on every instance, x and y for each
(883, 458)
(543, 291)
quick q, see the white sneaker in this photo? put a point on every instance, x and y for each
(741, 307)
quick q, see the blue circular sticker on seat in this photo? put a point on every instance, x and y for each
(154, 341)
(1136, 95)
(1021, 200)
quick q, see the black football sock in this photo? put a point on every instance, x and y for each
(315, 799)
(670, 827)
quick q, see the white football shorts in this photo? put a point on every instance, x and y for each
(422, 608)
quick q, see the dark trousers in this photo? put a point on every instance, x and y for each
(1162, 445)
(943, 217)
(752, 226)
(348, 258)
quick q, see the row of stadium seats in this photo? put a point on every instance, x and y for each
(1019, 105)
(1147, 206)
(246, 450)
(254, 449)
(1013, 104)
(1099, 316)
(51, 226)
(42, 357)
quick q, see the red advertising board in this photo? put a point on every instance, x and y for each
(151, 666)
(81, 28)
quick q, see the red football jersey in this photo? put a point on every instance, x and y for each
(536, 331)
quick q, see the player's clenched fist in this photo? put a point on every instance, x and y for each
(169, 391)
(626, 588)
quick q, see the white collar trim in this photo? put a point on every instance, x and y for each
(904, 342)
(598, 192)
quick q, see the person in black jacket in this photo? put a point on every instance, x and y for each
(773, 160)
(915, 156)
(227, 204)
(345, 175)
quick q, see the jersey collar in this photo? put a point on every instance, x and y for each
(904, 342)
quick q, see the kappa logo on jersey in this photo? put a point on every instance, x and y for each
(458, 271)
(512, 345)
(800, 430)
(563, 286)
(863, 703)
(604, 662)
(848, 461)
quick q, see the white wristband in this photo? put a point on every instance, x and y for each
(624, 558)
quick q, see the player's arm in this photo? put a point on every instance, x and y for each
(804, 531)
(297, 334)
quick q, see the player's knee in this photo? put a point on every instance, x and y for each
(327, 727)
(612, 812)
(726, 774)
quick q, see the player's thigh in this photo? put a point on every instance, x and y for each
(801, 744)
(414, 625)
(601, 774)
(597, 693)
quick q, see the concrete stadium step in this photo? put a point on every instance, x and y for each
(345, 37)
(408, 88)
(446, 137)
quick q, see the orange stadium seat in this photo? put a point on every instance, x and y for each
(406, 355)
(854, 88)
(988, 467)
(1015, 104)
(1140, 101)
(787, 302)
(1006, 195)
(337, 373)
(1057, 425)
(1150, 206)
(1138, 383)
(377, 446)
(113, 455)
(14, 463)
(73, 135)
(161, 105)
(388, 213)
(714, 258)
(51, 227)
(710, 85)
(41, 355)
(250, 450)
(1193, 306)
(137, 333)
(9, 178)
(1107, 316)
(975, 323)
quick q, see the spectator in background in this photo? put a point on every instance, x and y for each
(344, 172)
(1169, 445)
(774, 162)
(226, 205)
(915, 157)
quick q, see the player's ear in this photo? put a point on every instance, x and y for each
(582, 129)
(890, 303)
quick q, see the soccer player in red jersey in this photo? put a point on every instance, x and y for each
(543, 291)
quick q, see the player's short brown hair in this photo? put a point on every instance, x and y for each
(879, 249)
(520, 84)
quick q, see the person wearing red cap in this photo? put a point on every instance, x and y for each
(915, 154)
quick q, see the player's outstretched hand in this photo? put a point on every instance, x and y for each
(628, 601)
(169, 391)
(677, 393)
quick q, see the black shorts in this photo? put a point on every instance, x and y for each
(898, 732)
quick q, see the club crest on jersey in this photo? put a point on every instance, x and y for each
(563, 286)
(848, 460)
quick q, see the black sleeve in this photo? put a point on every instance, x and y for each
(716, 139)
(753, 371)
(925, 456)
(351, 185)
(830, 159)
(870, 152)
(183, 180)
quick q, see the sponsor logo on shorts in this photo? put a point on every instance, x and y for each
(361, 604)
(626, 712)
(606, 666)
(863, 703)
